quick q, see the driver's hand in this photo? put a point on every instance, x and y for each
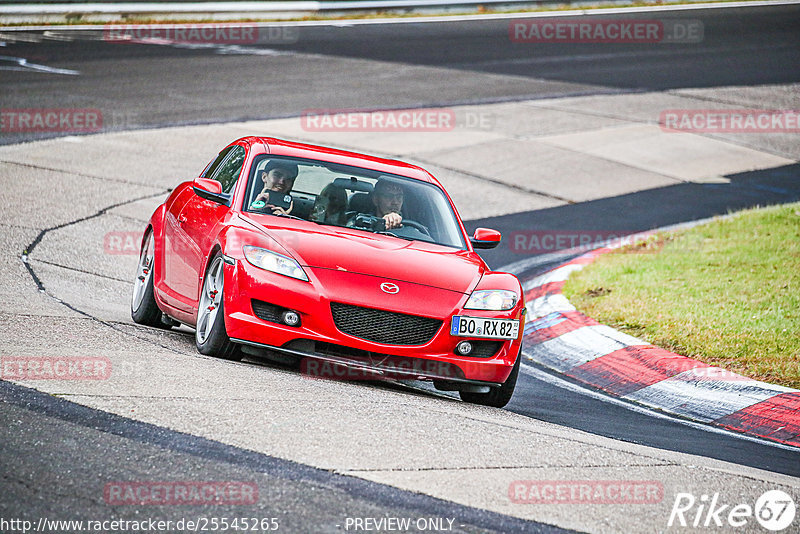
(277, 210)
(393, 220)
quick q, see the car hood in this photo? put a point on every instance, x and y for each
(360, 252)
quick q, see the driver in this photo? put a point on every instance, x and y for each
(388, 200)
(278, 176)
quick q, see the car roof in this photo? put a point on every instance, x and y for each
(280, 147)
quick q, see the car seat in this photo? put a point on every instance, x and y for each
(361, 203)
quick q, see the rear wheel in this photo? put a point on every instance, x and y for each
(144, 309)
(210, 335)
(496, 397)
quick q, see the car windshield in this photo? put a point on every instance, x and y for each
(353, 197)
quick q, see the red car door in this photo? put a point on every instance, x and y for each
(176, 245)
(197, 224)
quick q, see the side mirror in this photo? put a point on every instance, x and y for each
(485, 238)
(210, 190)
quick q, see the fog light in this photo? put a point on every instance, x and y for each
(464, 348)
(290, 318)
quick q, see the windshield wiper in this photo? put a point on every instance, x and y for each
(406, 238)
(387, 232)
(288, 215)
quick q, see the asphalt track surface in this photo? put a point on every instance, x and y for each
(143, 86)
(105, 446)
(140, 86)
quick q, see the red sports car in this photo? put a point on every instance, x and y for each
(333, 258)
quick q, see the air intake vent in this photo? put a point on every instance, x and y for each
(266, 311)
(484, 348)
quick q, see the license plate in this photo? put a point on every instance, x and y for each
(484, 327)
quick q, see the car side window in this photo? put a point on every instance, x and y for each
(228, 171)
(212, 167)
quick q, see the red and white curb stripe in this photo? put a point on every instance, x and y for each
(562, 339)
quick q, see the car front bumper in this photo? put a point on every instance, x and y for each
(318, 337)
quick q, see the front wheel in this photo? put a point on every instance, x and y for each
(144, 309)
(496, 397)
(210, 335)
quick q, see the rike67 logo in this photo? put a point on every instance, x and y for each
(774, 510)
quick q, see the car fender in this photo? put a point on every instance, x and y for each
(243, 232)
(231, 241)
(499, 280)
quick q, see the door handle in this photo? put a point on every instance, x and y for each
(181, 219)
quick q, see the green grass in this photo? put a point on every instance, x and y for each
(726, 293)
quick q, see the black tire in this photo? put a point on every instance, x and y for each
(211, 338)
(496, 397)
(144, 309)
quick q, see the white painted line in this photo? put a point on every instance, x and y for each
(20, 37)
(57, 36)
(219, 48)
(21, 64)
(556, 381)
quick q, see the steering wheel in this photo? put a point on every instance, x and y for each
(418, 226)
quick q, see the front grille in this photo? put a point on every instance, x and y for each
(381, 326)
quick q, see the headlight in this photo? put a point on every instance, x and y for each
(272, 261)
(495, 300)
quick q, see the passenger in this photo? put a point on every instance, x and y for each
(330, 206)
(278, 176)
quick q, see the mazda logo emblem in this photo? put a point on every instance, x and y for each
(388, 287)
